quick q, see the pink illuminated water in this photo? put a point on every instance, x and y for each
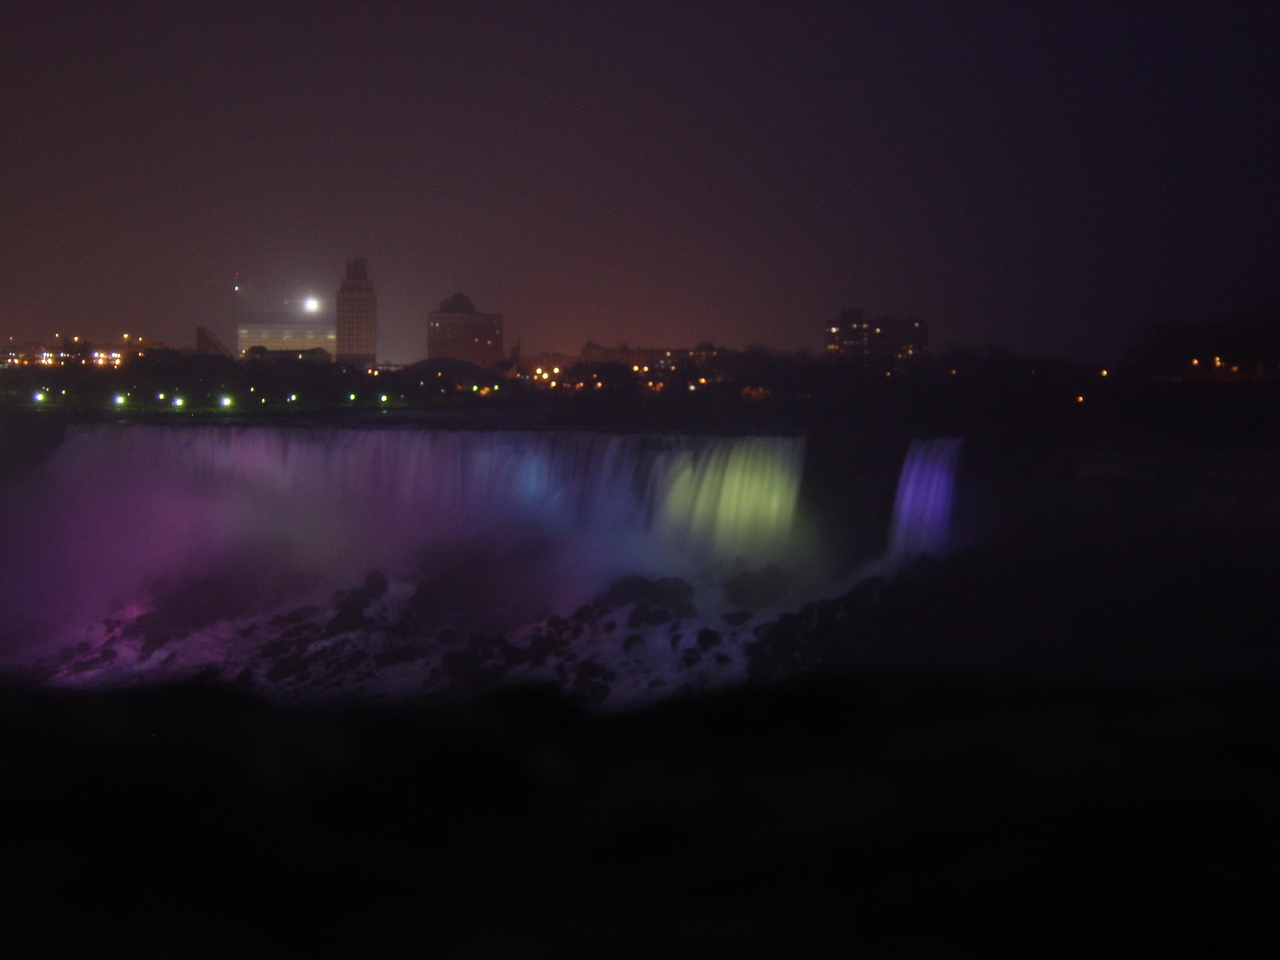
(550, 514)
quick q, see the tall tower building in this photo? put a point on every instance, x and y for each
(357, 316)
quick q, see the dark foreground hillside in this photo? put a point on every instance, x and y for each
(851, 817)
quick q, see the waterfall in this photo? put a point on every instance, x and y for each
(119, 504)
(922, 508)
(718, 495)
(345, 561)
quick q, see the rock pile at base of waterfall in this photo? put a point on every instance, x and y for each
(639, 639)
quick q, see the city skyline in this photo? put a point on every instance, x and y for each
(1054, 179)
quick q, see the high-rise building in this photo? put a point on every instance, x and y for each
(887, 342)
(458, 331)
(356, 308)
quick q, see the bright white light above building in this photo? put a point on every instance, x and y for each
(311, 304)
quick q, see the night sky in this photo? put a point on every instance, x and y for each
(1052, 177)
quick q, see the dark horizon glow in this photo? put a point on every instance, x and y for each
(1052, 177)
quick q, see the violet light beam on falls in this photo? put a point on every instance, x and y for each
(922, 507)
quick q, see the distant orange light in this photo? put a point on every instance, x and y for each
(1079, 399)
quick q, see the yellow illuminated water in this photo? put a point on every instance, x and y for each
(735, 499)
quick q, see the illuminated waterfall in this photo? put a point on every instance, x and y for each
(118, 505)
(922, 508)
(319, 561)
(731, 498)
(718, 496)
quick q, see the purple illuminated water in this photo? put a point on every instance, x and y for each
(922, 508)
(314, 562)
(547, 515)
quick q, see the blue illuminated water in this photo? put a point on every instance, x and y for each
(926, 491)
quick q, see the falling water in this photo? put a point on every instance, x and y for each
(600, 562)
(117, 506)
(922, 508)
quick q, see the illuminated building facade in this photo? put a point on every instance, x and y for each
(75, 351)
(885, 342)
(292, 330)
(356, 308)
(458, 331)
